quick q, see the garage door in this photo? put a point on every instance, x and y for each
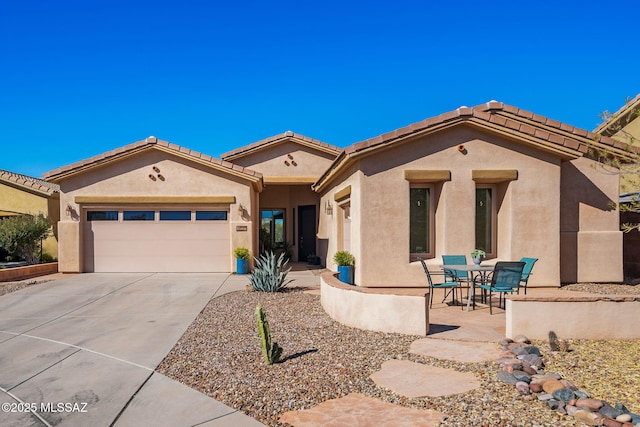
(130, 240)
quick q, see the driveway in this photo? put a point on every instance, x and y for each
(81, 351)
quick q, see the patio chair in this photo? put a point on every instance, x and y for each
(457, 276)
(528, 266)
(448, 286)
(504, 279)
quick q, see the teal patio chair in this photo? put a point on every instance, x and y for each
(528, 266)
(448, 286)
(505, 279)
(457, 276)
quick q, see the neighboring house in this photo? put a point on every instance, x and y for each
(495, 177)
(21, 194)
(624, 126)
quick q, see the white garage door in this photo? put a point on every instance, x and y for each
(128, 240)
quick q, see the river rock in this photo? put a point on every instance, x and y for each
(611, 423)
(581, 394)
(589, 404)
(506, 377)
(623, 418)
(563, 394)
(532, 349)
(571, 410)
(505, 341)
(552, 385)
(523, 387)
(553, 404)
(535, 387)
(521, 376)
(608, 411)
(521, 339)
(588, 418)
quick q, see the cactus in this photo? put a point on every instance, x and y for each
(270, 353)
(554, 342)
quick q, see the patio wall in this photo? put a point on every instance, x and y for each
(27, 272)
(601, 317)
(382, 310)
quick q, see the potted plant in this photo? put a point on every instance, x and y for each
(242, 260)
(313, 259)
(346, 263)
(477, 255)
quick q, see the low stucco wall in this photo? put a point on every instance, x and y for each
(27, 272)
(374, 310)
(603, 317)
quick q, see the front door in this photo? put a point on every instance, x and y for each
(306, 232)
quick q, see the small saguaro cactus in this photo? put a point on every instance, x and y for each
(270, 353)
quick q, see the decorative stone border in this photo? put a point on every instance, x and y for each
(522, 366)
(20, 273)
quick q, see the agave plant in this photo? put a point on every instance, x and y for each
(268, 276)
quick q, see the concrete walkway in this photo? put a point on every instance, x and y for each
(81, 351)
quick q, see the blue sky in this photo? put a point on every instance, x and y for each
(78, 78)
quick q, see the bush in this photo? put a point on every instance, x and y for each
(242, 253)
(344, 258)
(46, 257)
(21, 235)
(268, 275)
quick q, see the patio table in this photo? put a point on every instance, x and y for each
(484, 271)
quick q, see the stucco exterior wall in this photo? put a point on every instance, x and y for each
(590, 223)
(23, 201)
(304, 161)
(528, 207)
(130, 177)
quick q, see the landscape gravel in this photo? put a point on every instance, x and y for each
(220, 356)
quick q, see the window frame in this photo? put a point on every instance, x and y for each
(493, 251)
(272, 227)
(431, 220)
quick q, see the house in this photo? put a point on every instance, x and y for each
(493, 177)
(21, 194)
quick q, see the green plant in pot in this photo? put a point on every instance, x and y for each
(346, 266)
(242, 260)
(477, 255)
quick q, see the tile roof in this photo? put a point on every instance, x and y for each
(259, 145)
(149, 142)
(29, 182)
(620, 118)
(554, 135)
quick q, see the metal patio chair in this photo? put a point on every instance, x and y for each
(504, 279)
(528, 266)
(463, 278)
(448, 286)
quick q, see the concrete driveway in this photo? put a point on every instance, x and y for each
(81, 351)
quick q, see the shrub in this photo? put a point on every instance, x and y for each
(46, 257)
(344, 258)
(242, 253)
(21, 235)
(268, 276)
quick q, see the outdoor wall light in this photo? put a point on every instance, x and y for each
(69, 209)
(240, 209)
(328, 209)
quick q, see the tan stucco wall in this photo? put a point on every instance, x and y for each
(15, 199)
(529, 210)
(590, 231)
(130, 177)
(271, 161)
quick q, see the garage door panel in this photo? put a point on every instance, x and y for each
(165, 246)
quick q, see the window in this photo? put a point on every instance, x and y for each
(272, 231)
(420, 221)
(485, 220)
(211, 215)
(102, 215)
(138, 215)
(175, 215)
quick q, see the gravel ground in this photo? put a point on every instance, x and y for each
(8, 287)
(220, 356)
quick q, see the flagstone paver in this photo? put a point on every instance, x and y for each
(418, 380)
(357, 410)
(460, 351)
